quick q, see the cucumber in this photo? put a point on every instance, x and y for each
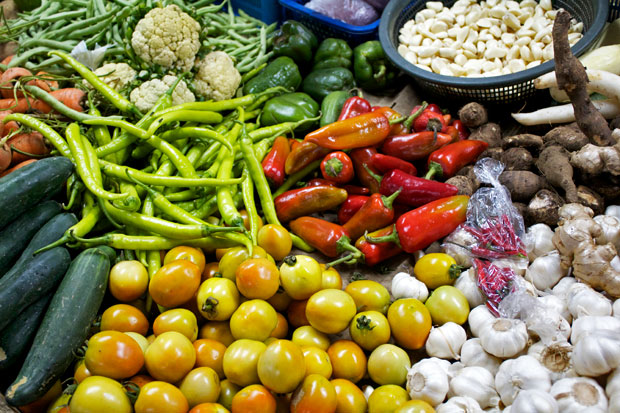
(50, 232)
(30, 282)
(16, 236)
(16, 338)
(64, 328)
(27, 186)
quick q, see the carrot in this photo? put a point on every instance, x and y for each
(29, 143)
(6, 128)
(19, 106)
(7, 59)
(70, 97)
(16, 167)
(46, 81)
(5, 157)
(7, 78)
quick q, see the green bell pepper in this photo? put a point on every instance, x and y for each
(373, 71)
(296, 41)
(280, 72)
(319, 83)
(332, 106)
(333, 53)
(290, 107)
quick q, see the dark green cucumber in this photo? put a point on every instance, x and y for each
(16, 338)
(64, 328)
(30, 282)
(16, 236)
(27, 186)
(50, 232)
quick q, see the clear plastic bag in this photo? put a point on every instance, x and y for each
(355, 12)
(90, 58)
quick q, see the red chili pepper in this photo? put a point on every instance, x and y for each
(429, 120)
(356, 190)
(308, 200)
(354, 106)
(495, 282)
(374, 253)
(397, 120)
(329, 238)
(414, 146)
(462, 129)
(376, 213)
(273, 163)
(320, 182)
(361, 157)
(419, 228)
(337, 167)
(366, 129)
(294, 143)
(447, 161)
(350, 206)
(303, 155)
(453, 132)
(415, 191)
(385, 163)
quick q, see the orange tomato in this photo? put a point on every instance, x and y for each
(159, 396)
(175, 283)
(254, 398)
(348, 360)
(276, 240)
(194, 255)
(350, 397)
(141, 379)
(315, 395)
(257, 278)
(281, 330)
(81, 371)
(209, 408)
(210, 353)
(128, 280)
(170, 357)
(113, 354)
(410, 322)
(211, 270)
(296, 313)
(123, 318)
(218, 331)
(280, 300)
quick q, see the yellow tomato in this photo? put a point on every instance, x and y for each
(241, 360)
(436, 269)
(281, 366)
(201, 385)
(330, 311)
(254, 320)
(317, 362)
(350, 398)
(387, 398)
(179, 320)
(310, 336)
(170, 357)
(217, 298)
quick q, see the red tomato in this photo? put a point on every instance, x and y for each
(113, 354)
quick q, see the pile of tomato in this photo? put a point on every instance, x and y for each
(244, 334)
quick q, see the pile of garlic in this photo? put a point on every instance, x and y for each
(561, 355)
(490, 38)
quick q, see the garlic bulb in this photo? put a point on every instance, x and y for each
(459, 404)
(563, 286)
(427, 380)
(545, 271)
(557, 358)
(508, 409)
(583, 300)
(554, 303)
(446, 341)
(504, 337)
(538, 241)
(611, 230)
(613, 210)
(597, 353)
(548, 325)
(589, 324)
(613, 383)
(406, 286)
(457, 246)
(522, 373)
(478, 317)
(614, 403)
(466, 283)
(454, 369)
(472, 355)
(477, 383)
(616, 308)
(535, 401)
(574, 395)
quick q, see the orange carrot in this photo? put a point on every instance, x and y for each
(46, 82)
(16, 167)
(7, 59)
(7, 78)
(70, 97)
(19, 106)
(30, 143)
(6, 128)
(5, 157)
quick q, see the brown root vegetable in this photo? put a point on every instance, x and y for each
(27, 145)
(521, 208)
(543, 207)
(572, 78)
(522, 185)
(554, 163)
(591, 199)
(5, 157)
(608, 186)
(495, 153)
(473, 115)
(594, 160)
(533, 143)
(465, 170)
(490, 133)
(517, 159)
(473, 178)
(615, 123)
(567, 137)
(463, 183)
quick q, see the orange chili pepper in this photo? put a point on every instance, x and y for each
(366, 129)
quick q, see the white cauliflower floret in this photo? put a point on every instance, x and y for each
(145, 96)
(167, 37)
(116, 75)
(217, 77)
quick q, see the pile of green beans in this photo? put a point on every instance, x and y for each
(200, 168)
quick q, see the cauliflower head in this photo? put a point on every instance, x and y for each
(217, 77)
(145, 96)
(116, 75)
(167, 37)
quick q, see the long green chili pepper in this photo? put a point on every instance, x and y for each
(154, 243)
(188, 195)
(225, 203)
(101, 133)
(119, 171)
(299, 243)
(132, 202)
(74, 140)
(106, 90)
(296, 177)
(75, 187)
(249, 75)
(33, 123)
(280, 128)
(119, 123)
(247, 191)
(57, 105)
(197, 133)
(200, 116)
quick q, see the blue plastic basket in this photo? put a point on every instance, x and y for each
(614, 10)
(267, 11)
(324, 26)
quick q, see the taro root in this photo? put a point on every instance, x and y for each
(522, 185)
(517, 159)
(543, 208)
(567, 137)
(591, 199)
(490, 133)
(533, 143)
(463, 183)
(473, 115)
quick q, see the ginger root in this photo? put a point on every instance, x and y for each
(595, 160)
(576, 239)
